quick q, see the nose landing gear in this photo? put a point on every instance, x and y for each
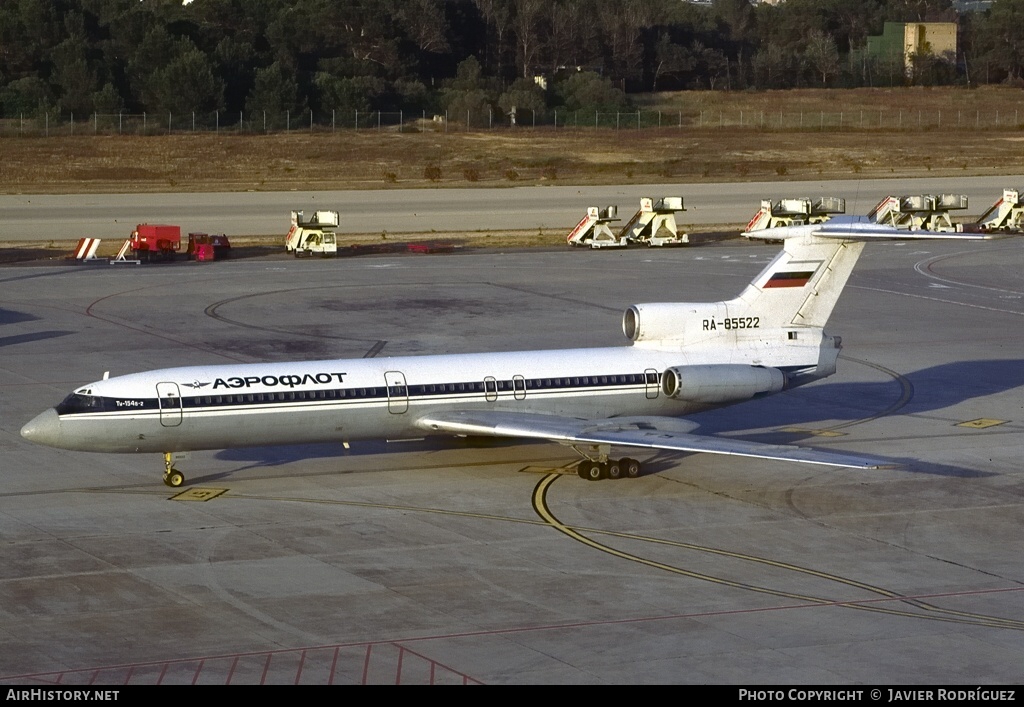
(172, 477)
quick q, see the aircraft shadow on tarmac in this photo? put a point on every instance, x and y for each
(35, 336)
(926, 390)
(11, 316)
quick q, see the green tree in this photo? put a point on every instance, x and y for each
(26, 96)
(527, 23)
(1000, 40)
(233, 62)
(74, 77)
(469, 76)
(623, 23)
(107, 100)
(349, 94)
(156, 50)
(466, 98)
(587, 91)
(275, 92)
(523, 98)
(498, 16)
(424, 23)
(572, 36)
(187, 84)
(822, 55)
(671, 60)
(773, 67)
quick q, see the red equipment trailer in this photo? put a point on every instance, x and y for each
(155, 242)
(203, 246)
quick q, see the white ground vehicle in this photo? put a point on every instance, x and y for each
(653, 225)
(313, 235)
(1007, 214)
(593, 229)
(795, 212)
(927, 212)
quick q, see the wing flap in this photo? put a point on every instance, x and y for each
(650, 433)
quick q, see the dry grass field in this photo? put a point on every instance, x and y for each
(938, 132)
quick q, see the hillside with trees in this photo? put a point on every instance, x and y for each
(293, 57)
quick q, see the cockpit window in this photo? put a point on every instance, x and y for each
(78, 402)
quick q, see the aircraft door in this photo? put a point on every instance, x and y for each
(169, 398)
(652, 382)
(398, 392)
(490, 389)
(519, 387)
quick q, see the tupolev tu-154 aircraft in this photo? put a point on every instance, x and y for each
(683, 358)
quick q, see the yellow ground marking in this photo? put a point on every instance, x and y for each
(547, 518)
(198, 494)
(950, 615)
(569, 468)
(816, 433)
(981, 423)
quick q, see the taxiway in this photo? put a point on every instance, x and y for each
(466, 562)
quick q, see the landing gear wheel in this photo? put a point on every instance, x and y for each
(591, 471)
(174, 479)
(631, 468)
(614, 469)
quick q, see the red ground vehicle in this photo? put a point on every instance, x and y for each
(204, 246)
(155, 242)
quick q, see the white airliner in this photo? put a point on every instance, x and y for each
(684, 357)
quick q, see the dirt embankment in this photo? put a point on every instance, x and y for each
(712, 135)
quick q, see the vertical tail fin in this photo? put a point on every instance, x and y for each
(801, 286)
(797, 290)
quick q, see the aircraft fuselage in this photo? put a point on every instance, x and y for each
(216, 407)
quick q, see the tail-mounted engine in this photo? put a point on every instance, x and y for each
(721, 383)
(665, 321)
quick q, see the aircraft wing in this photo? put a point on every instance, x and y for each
(648, 432)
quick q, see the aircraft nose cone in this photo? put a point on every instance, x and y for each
(43, 428)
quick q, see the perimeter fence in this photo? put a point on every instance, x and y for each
(220, 122)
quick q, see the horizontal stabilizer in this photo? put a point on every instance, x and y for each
(861, 228)
(652, 433)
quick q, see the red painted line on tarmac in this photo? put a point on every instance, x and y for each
(368, 645)
(334, 665)
(434, 664)
(266, 667)
(199, 669)
(366, 663)
(231, 672)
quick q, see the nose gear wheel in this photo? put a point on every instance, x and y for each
(172, 477)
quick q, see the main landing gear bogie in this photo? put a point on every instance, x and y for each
(612, 469)
(172, 477)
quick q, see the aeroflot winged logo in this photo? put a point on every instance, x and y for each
(287, 381)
